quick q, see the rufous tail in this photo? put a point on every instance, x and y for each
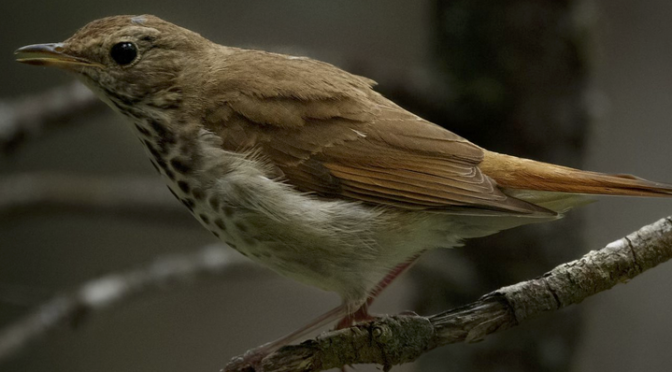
(524, 174)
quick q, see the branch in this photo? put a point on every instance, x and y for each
(136, 195)
(32, 115)
(388, 341)
(114, 289)
(402, 339)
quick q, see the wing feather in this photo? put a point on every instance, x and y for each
(332, 135)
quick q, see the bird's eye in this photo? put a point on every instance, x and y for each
(123, 53)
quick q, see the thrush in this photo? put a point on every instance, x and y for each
(302, 166)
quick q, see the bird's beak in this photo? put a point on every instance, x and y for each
(50, 55)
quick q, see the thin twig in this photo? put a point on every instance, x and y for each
(35, 114)
(139, 195)
(402, 339)
(114, 289)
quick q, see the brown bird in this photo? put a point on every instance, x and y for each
(302, 166)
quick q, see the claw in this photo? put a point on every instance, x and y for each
(251, 361)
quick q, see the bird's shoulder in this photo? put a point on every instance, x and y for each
(283, 90)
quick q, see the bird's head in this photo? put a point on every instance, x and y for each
(124, 59)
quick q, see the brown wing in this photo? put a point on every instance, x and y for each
(331, 134)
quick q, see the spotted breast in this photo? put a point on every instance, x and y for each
(234, 196)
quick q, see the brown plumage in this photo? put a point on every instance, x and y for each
(302, 166)
(525, 174)
(330, 133)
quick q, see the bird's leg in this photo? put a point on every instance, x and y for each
(362, 313)
(348, 314)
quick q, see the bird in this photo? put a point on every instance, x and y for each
(304, 167)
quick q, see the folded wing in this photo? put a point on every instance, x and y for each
(332, 135)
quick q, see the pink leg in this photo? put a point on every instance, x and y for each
(344, 311)
(362, 314)
(311, 327)
(254, 357)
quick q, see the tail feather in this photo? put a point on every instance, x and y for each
(524, 174)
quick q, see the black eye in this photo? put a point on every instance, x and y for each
(124, 53)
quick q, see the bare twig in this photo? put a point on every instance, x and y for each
(102, 194)
(32, 115)
(402, 339)
(113, 289)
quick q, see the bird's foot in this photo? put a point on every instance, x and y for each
(251, 361)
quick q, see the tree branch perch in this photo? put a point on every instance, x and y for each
(401, 339)
(387, 341)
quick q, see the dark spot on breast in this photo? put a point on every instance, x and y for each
(219, 223)
(169, 138)
(155, 166)
(228, 211)
(180, 166)
(166, 136)
(231, 244)
(241, 226)
(162, 164)
(184, 186)
(198, 193)
(169, 173)
(119, 106)
(188, 203)
(249, 241)
(174, 194)
(123, 99)
(215, 233)
(170, 105)
(214, 202)
(204, 218)
(159, 129)
(143, 131)
(163, 148)
(132, 113)
(152, 150)
(262, 255)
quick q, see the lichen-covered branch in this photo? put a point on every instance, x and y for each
(71, 307)
(35, 114)
(401, 339)
(388, 341)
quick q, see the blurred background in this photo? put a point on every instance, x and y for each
(580, 83)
